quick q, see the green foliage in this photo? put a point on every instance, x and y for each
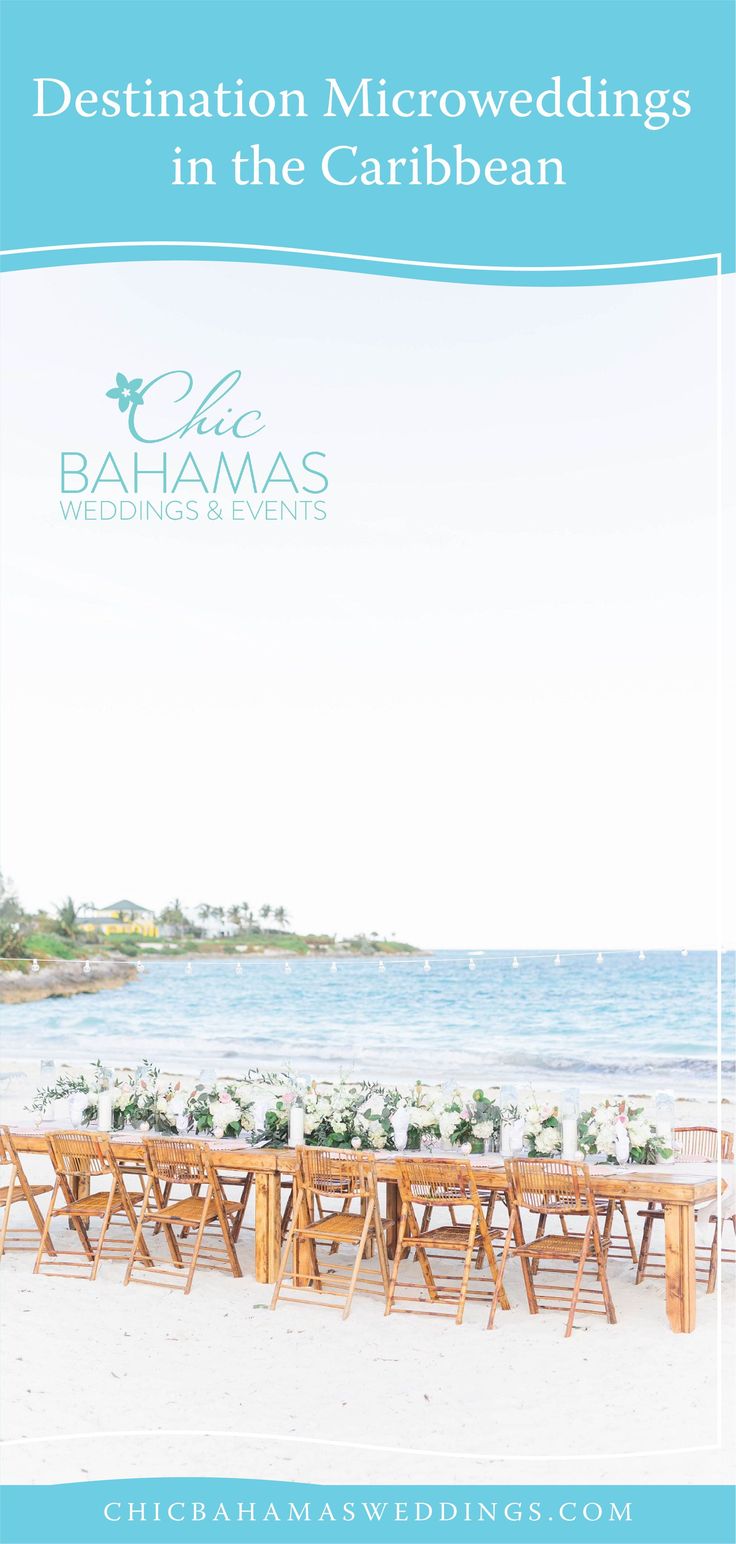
(51, 945)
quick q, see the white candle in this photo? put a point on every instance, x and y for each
(296, 1124)
(507, 1138)
(400, 1127)
(569, 1136)
(104, 1110)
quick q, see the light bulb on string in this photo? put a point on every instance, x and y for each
(558, 961)
(684, 953)
(287, 969)
(333, 968)
(188, 968)
(427, 965)
(514, 963)
(471, 964)
(642, 955)
(381, 967)
(599, 958)
(238, 969)
(86, 968)
(35, 966)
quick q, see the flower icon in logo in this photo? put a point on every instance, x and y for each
(127, 392)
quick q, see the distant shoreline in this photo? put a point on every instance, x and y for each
(63, 979)
(56, 977)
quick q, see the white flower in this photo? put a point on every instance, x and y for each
(356, 1142)
(548, 1140)
(142, 1102)
(639, 1132)
(223, 1111)
(448, 1122)
(482, 1129)
(162, 1105)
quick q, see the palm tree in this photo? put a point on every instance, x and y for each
(204, 911)
(67, 916)
(173, 916)
(281, 917)
(233, 914)
(265, 912)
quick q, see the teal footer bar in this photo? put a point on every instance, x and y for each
(257, 1510)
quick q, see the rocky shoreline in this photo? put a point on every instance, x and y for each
(64, 979)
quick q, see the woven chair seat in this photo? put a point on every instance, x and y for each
(335, 1225)
(189, 1210)
(18, 1194)
(552, 1244)
(453, 1236)
(93, 1206)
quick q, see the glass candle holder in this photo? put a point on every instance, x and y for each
(569, 1115)
(664, 1117)
(508, 1100)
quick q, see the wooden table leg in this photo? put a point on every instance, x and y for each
(268, 1226)
(393, 1210)
(679, 1266)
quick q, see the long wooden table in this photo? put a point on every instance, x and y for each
(679, 1189)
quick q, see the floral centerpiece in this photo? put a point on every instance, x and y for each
(471, 1121)
(344, 1113)
(600, 1130)
(542, 1129)
(225, 1110)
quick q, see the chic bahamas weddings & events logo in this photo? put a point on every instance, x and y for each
(191, 453)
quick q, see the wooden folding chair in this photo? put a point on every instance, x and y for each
(15, 1188)
(81, 1158)
(618, 1246)
(555, 1187)
(347, 1177)
(694, 1144)
(448, 1184)
(174, 1161)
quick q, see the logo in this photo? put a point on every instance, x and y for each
(221, 476)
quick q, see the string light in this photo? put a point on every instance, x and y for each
(188, 968)
(140, 967)
(238, 969)
(35, 966)
(86, 968)
(333, 968)
(558, 961)
(514, 963)
(471, 964)
(381, 967)
(287, 969)
(427, 965)
(642, 955)
(599, 958)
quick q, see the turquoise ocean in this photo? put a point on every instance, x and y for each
(630, 1023)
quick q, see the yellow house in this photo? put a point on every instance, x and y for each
(119, 917)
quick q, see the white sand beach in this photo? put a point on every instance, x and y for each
(104, 1381)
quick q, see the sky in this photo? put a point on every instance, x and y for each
(474, 707)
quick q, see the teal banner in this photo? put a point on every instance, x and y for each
(482, 141)
(258, 1510)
